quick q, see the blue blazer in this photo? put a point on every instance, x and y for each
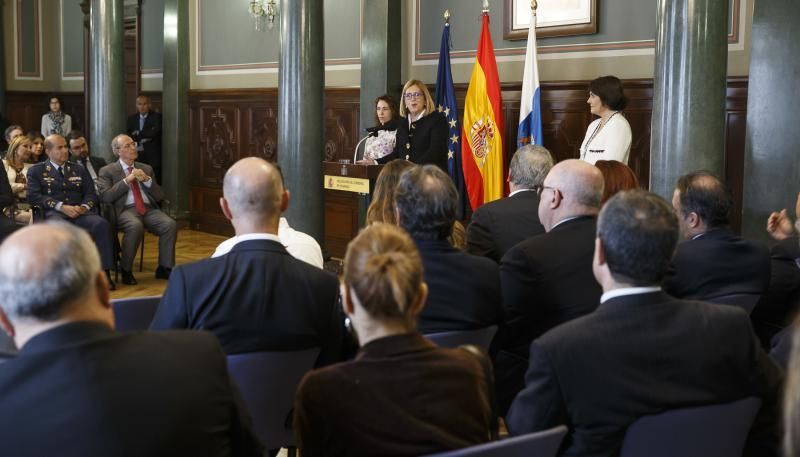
(256, 298)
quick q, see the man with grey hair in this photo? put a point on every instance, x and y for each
(257, 297)
(463, 289)
(547, 279)
(642, 351)
(130, 187)
(497, 226)
(77, 387)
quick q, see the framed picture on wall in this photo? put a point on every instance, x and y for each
(553, 18)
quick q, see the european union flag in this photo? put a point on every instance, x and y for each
(446, 104)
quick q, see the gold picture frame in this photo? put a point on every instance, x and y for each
(574, 17)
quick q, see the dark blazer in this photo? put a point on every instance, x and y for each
(7, 226)
(779, 305)
(425, 142)
(82, 389)
(463, 289)
(497, 226)
(401, 396)
(151, 135)
(46, 187)
(97, 162)
(718, 263)
(114, 191)
(256, 298)
(547, 280)
(639, 355)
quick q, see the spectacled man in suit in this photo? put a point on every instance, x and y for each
(547, 279)
(497, 226)
(131, 188)
(79, 152)
(78, 388)
(463, 289)
(257, 297)
(65, 191)
(712, 261)
(642, 351)
(144, 126)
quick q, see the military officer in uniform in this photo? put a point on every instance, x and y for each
(65, 190)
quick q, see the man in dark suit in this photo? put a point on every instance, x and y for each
(78, 388)
(712, 261)
(547, 279)
(65, 191)
(144, 127)
(463, 289)
(642, 351)
(497, 226)
(7, 199)
(130, 187)
(79, 152)
(257, 297)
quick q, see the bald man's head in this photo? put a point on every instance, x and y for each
(572, 188)
(702, 202)
(45, 269)
(253, 189)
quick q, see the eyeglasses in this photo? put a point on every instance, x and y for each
(410, 95)
(539, 189)
(128, 145)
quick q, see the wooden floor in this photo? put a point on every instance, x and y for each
(191, 246)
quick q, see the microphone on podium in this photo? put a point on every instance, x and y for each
(373, 131)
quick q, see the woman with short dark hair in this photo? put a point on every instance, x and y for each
(402, 395)
(56, 121)
(609, 136)
(383, 135)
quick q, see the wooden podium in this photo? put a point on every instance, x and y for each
(348, 190)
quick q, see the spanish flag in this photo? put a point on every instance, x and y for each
(482, 129)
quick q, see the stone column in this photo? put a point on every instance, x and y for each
(107, 75)
(688, 126)
(771, 162)
(2, 65)
(380, 55)
(301, 126)
(174, 108)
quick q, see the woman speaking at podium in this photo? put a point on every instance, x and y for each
(422, 131)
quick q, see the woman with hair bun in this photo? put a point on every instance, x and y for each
(401, 395)
(609, 136)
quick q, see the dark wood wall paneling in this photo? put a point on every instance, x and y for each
(27, 108)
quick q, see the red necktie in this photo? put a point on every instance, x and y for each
(138, 201)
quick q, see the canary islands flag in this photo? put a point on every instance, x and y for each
(530, 106)
(482, 129)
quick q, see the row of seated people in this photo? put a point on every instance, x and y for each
(258, 298)
(71, 185)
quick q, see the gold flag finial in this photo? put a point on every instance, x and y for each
(534, 5)
(446, 16)
(485, 6)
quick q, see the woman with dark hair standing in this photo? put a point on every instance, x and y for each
(402, 395)
(383, 137)
(56, 121)
(609, 136)
(422, 132)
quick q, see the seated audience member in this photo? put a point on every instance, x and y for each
(78, 388)
(712, 261)
(458, 236)
(382, 207)
(402, 395)
(642, 351)
(464, 289)
(497, 226)
(779, 304)
(791, 399)
(16, 168)
(616, 177)
(37, 147)
(257, 297)
(7, 225)
(300, 245)
(65, 191)
(547, 279)
(79, 152)
(130, 187)
(11, 132)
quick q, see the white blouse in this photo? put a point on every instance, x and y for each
(611, 142)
